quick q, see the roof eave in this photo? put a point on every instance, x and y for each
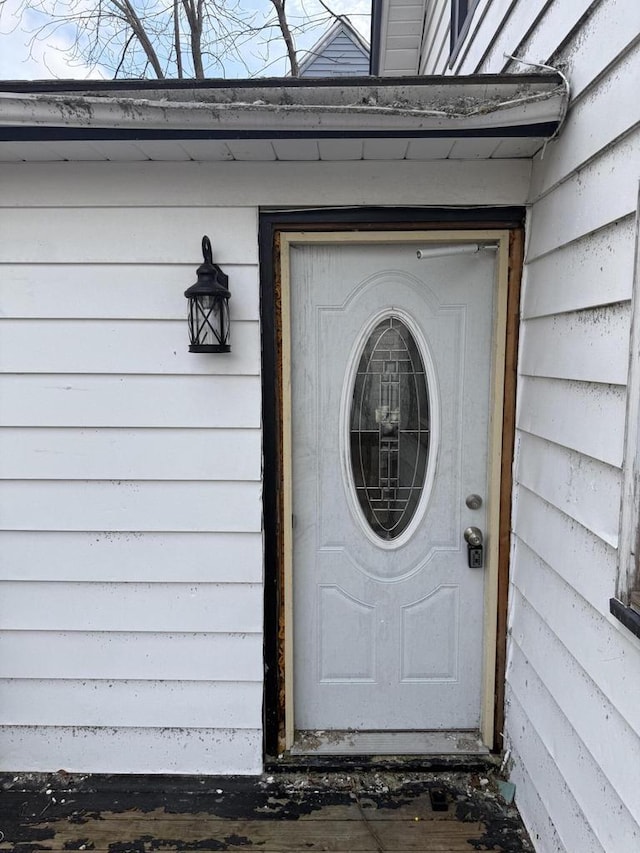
(475, 107)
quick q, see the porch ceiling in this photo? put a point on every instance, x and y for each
(427, 118)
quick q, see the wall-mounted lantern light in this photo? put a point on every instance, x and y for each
(209, 306)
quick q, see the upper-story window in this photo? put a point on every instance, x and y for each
(461, 14)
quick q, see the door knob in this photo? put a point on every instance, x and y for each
(473, 538)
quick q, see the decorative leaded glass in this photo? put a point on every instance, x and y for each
(389, 428)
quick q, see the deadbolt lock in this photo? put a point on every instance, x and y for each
(473, 501)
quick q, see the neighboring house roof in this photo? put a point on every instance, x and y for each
(489, 116)
(341, 52)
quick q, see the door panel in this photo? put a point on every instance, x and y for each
(388, 632)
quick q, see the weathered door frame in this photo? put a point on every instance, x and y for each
(450, 224)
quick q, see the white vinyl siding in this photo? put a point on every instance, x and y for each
(572, 671)
(437, 37)
(403, 26)
(417, 182)
(131, 592)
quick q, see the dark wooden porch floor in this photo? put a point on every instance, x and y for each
(288, 813)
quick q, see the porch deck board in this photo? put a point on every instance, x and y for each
(137, 832)
(340, 814)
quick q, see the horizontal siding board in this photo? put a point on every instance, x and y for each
(585, 345)
(599, 647)
(132, 401)
(592, 125)
(115, 291)
(597, 799)
(123, 347)
(584, 489)
(529, 750)
(136, 656)
(340, 55)
(583, 706)
(582, 416)
(122, 505)
(131, 557)
(600, 194)
(436, 32)
(492, 23)
(594, 270)
(437, 22)
(594, 45)
(432, 12)
(407, 41)
(127, 704)
(406, 12)
(118, 607)
(113, 750)
(400, 61)
(344, 44)
(201, 185)
(534, 30)
(442, 45)
(127, 235)
(338, 65)
(398, 29)
(531, 807)
(583, 560)
(129, 454)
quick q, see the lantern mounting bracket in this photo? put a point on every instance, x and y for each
(207, 251)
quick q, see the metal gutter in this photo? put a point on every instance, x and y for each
(527, 105)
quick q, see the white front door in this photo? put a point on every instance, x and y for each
(391, 394)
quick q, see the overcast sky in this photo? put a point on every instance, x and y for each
(24, 59)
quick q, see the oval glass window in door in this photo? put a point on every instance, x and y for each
(389, 428)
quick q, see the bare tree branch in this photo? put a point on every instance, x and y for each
(124, 53)
(140, 33)
(333, 14)
(287, 36)
(176, 38)
(168, 38)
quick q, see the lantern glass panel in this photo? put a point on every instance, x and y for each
(209, 322)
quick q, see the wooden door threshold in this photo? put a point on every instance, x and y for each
(398, 743)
